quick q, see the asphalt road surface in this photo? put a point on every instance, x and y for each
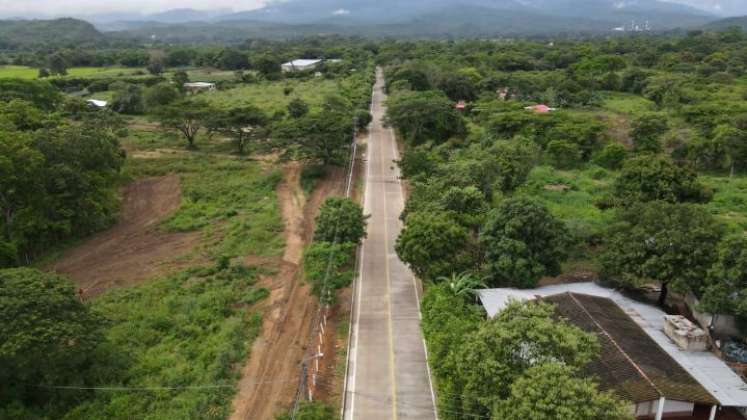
(388, 375)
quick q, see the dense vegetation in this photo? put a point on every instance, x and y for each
(633, 174)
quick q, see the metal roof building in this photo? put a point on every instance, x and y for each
(639, 361)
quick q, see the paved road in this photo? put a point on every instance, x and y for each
(388, 375)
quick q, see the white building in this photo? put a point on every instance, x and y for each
(97, 103)
(199, 86)
(300, 65)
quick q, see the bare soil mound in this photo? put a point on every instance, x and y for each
(134, 249)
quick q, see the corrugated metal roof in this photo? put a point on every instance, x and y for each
(708, 370)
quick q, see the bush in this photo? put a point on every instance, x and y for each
(363, 118)
(340, 220)
(611, 157)
(563, 155)
(327, 266)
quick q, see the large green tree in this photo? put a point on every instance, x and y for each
(726, 292)
(433, 244)
(424, 116)
(186, 117)
(556, 391)
(243, 124)
(672, 245)
(648, 178)
(47, 337)
(340, 220)
(494, 356)
(522, 242)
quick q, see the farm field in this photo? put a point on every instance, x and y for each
(272, 97)
(29, 73)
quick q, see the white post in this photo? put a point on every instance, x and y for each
(713, 413)
(660, 409)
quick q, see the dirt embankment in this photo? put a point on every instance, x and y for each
(134, 249)
(269, 380)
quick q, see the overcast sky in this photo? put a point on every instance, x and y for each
(88, 7)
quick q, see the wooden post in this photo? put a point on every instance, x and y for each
(712, 416)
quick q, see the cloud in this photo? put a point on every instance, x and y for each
(341, 12)
(88, 7)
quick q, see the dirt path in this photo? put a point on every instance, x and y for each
(133, 250)
(270, 378)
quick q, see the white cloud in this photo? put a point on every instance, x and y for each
(88, 7)
(341, 12)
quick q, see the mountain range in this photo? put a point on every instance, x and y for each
(413, 18)
(390, 18)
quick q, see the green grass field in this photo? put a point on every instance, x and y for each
(23, 72)
(189, 329)
(271, 97)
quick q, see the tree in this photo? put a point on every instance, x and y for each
(423, 116)
(46, 335)
(658, 242)
(649, 178)
(268, 66)
(327, 267)
(726, 291)
(297, 108)
(523, 241)
(43, 73)
(20, 185)
(340, 220)
(415, 78)
(733, 140)
(563, 155)
(128, 99)
(435, 245)
(160, 95)
(325, 135)
(243, 124)
(555, 391)
(459, 87)
(180, 78)
(186, 117)
(611, 156)
(231, 59)
(647, 131)
(57, 65)
(155, 66)
(501, 351)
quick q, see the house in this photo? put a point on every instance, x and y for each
(300, 65)
(639, 362)
(96, 103)
(461, 105)
(194, 87)
(540, 109)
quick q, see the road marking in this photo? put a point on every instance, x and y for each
(389, 291)
(415, 285)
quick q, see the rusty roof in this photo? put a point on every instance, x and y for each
(631, 363)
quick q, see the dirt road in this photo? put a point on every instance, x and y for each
(388, 376)
(133, 250)
(270, 378)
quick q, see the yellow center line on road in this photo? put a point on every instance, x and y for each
(389, 288)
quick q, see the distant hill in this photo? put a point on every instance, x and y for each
(722, 24)
(17, 34)
(660, 14)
